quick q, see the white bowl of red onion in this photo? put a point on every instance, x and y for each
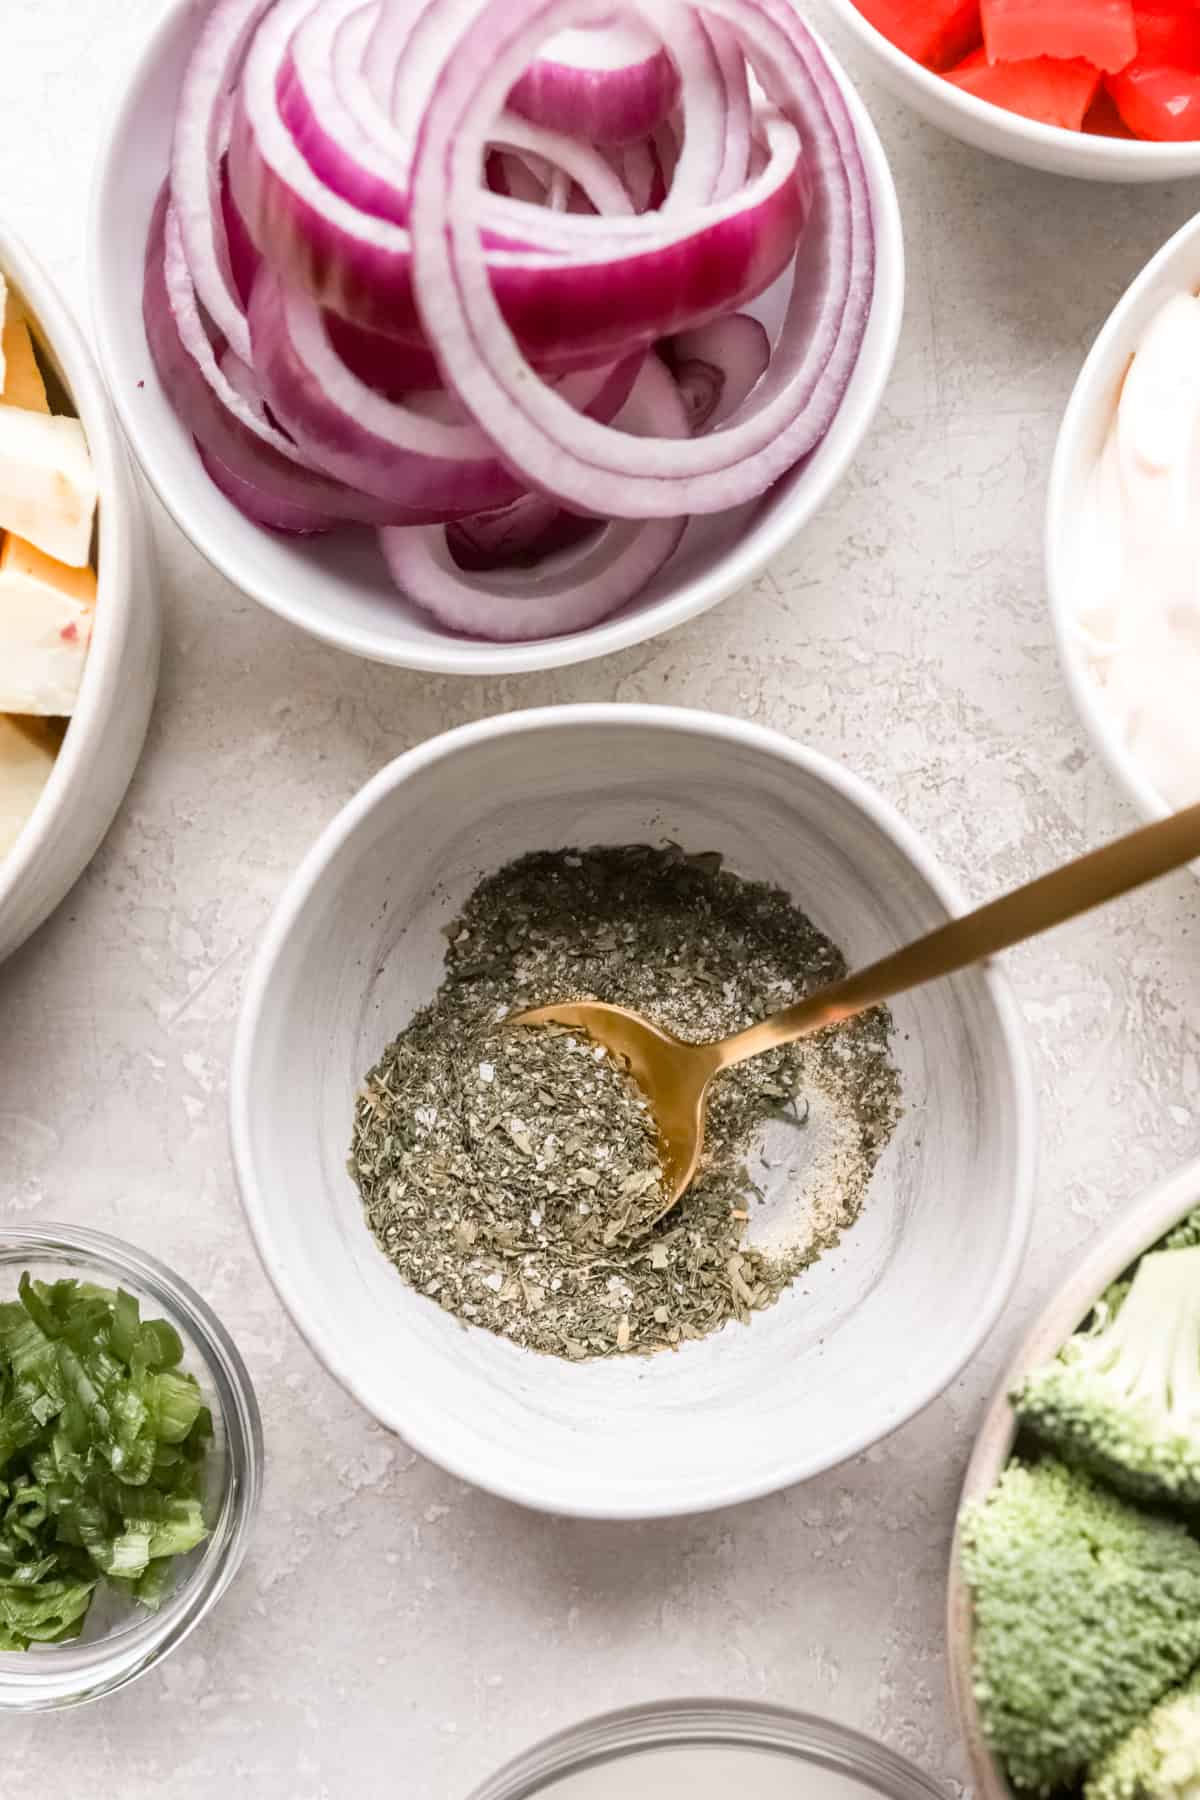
(547, 373)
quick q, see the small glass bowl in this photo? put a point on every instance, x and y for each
(121, 1642)
(677, 1724)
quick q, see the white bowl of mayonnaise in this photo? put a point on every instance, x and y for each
(1123, 534)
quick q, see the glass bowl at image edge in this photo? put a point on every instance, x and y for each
(130, 1642)
(689, 1724)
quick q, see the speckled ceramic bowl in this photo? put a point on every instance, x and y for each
(1138, 1229)
(873, 1331)
(105, 737)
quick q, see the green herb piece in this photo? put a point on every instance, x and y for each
(512, 1176)
(103, 1441)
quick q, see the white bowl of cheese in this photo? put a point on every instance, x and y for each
(79, 618)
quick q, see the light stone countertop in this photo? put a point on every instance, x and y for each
(394, 1632)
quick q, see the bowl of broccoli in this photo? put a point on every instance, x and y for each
(1074, 1598)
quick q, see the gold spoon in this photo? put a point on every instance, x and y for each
(676, 1076)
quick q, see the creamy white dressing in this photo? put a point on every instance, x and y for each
(1138, 556)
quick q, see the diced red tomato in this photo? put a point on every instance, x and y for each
(1158, 102)
(934, 32)
(1102, 118)
(1168, 32)
(1052, 90)
(1102, 32)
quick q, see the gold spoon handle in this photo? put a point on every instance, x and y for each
(1052, 899)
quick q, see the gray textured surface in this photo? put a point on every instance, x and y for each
(394, 1632)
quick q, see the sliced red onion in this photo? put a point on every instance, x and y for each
(427, 458)
(259, 505)
(717, 367)
(576, 460)
(623, 293)
(612, 83)
(314, 59)
(566, 592)
(375, 445)
(233, 429)
(358, 263)
(201, 128)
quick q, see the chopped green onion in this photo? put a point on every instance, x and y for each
(103, 1439)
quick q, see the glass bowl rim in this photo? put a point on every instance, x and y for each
(68, 1674)
(749, 1724)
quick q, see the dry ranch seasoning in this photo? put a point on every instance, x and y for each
(512, 1176)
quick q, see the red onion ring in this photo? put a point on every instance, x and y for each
(232, 428)
(567, 592)
(358, 154)
(375, 445)
(612, 297)
(202, 123)
(612, 83)
(574, 459)
(260, 506)
(358, 264)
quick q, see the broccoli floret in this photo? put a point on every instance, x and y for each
(1123, 1397)
(1086, 1612)
(1159, 1759)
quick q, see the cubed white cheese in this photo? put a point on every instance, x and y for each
(46, 613)
(47, 485)
(21, 383)
(27, 751)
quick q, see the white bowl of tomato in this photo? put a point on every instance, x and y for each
(1104, 89)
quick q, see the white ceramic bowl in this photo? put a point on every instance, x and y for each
(1089, 414)
(1139, 1227)
(338, 588)
(873, 1332)
(1000, 133)
(105, 736)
